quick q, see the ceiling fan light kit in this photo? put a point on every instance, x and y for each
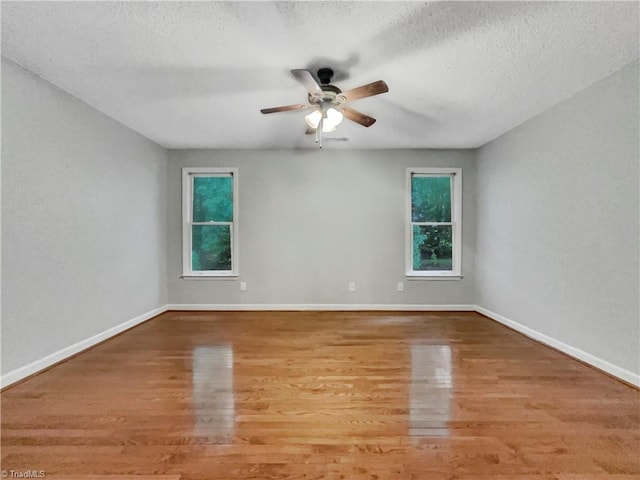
(331, 119)
(329, 102)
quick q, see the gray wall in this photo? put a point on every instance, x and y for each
(83, 220)
(311, 221)
(557, 224)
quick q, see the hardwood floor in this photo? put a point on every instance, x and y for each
(332, 395)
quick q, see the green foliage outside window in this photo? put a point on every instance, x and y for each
(431, 199)
(213, 199)
(211, 247)
(211, 244)
(431, 203)
(432, 248)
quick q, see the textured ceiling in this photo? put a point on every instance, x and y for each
(195, 74)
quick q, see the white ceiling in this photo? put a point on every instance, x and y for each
(195, 74)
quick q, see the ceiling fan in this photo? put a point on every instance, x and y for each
(329, 103)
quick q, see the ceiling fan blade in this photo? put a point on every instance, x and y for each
(306, 79)
(358, 117)
(367, 90)
(286, 108)
(310, 131)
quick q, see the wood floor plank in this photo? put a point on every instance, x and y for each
(322, 395)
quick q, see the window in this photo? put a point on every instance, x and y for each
(434, 224)
(209, 222)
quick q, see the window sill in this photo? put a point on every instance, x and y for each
(231, 276)
(434, 277)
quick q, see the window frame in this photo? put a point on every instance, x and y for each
(456, 224)
(188, 174)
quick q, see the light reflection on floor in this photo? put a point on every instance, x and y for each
(431, 390)
(214, 403)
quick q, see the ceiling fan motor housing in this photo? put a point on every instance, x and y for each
(330, 91)
(330, 96)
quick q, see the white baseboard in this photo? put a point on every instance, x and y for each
(597, 362)
(34, 367)
(319, 307)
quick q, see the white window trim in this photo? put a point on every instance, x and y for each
(187, 204)
(456, 220)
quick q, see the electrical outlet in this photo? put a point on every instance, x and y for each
(400, 286)
(352, 286)
(243, 286)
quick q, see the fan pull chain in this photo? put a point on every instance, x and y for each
(319, 132)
